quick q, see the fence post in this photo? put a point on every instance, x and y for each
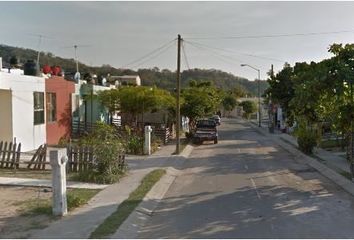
(147, 142)
(58, 160)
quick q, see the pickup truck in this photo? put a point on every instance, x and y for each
(206, 131)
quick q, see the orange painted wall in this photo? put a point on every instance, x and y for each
(62, 126)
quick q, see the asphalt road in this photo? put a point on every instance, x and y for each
(248, 187)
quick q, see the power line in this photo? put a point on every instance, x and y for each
(221, 57)
(273, 35)
(185, 55)
(148, 54)
(232, 51)
(157, 53)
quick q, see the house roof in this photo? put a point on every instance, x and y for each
(126, 76)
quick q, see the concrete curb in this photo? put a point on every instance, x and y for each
(337, 178)
(137, 219)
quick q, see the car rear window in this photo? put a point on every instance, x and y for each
(206, 123)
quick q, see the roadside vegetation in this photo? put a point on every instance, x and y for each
(38, 206)
(107, 149)
(112, 223)
(313, 95)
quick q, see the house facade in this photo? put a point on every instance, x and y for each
(22, 106)
(59, 93)
(86, 108)
(37, 110)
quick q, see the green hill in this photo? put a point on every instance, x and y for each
(161, 78)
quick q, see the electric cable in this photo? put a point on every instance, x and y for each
(157, 53)
(185, 56)
(273, 35)
(148, 54)
(232, 51)
(223, 58)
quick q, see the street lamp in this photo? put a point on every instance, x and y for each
(259, 92)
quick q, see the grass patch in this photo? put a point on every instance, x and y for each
(95, 177)
(112, 223)
(331, 143)
(346, 175)
(75, 198)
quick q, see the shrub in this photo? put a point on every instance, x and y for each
(189, 135)
(107, 147)
(249, 107)
(135, 144)
(156, 142)
(306, 138)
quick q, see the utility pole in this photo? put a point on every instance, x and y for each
(39, 52)
(178, 86)
(77, 61)
(351, 133)
(271, 105)
(259, 100)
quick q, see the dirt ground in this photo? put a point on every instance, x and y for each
(13, 223)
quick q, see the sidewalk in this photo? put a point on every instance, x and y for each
(81, 222)
(326, 169)
(335, 162)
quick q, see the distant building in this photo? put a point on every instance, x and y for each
(125, 80)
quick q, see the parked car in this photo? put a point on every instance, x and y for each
(206, 131)
(217, 119)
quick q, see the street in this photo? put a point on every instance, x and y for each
(248, 187)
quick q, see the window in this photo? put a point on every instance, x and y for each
(51, 107)
(38, 107)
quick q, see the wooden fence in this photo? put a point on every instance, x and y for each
(164, 134)
(80, 128)
(9, 154)
(38, 161)
(82, 158)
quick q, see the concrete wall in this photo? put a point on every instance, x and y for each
(6, 115)
(61, 128)
(23, 128)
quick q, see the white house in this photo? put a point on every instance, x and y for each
(86, 107)
(126, 80)
(22, 110)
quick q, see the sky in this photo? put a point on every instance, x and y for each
(218, 35)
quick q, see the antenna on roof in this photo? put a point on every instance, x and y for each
(41, 36)
(77, 74)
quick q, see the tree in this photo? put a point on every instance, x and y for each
(229, 103)
(135, 100)
(249, 107)
(281, 88)
(199, 100)
(110, 99)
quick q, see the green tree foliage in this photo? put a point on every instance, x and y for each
(135, 100)
(317, 93)
(110, 99)
(229, 102)
(199, 100)
(107, 146)
(249, 107)
(281, 88)
(239, 92)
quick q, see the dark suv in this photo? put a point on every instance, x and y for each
(206, 131)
